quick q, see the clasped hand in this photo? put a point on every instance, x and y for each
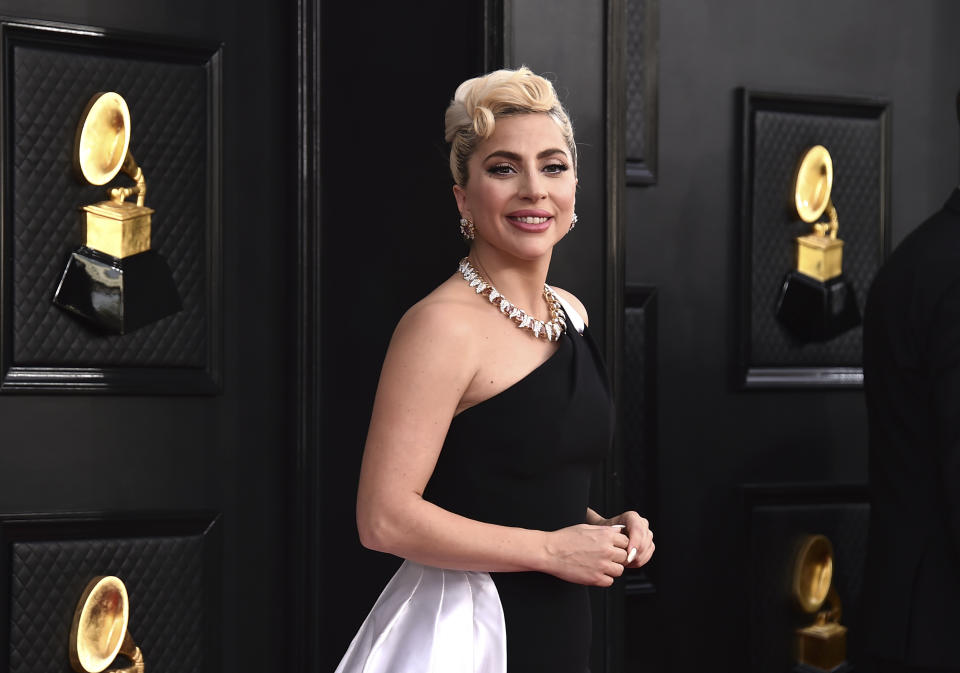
(597, 554)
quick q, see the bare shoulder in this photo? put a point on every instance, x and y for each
(437, 328)
(444, 312)
(574, 302)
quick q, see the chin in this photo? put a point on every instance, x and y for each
(534, 250)
(526, 247)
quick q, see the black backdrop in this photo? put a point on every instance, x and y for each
(389, 235)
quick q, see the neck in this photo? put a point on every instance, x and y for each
(520, 280)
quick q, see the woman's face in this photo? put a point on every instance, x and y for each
(521, 188)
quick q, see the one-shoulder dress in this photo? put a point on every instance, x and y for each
(523, 458)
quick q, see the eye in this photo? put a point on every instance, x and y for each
(556, 168)
(500, 169)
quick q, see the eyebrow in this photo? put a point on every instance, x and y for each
(516, 157)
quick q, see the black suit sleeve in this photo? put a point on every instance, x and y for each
(944, 352)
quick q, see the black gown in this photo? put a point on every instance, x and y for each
(524, 458)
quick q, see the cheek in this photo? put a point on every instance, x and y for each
(488, 196)
(567, 196)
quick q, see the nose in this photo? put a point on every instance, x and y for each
(532, 186)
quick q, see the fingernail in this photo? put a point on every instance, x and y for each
(632, 555)
(619, 525)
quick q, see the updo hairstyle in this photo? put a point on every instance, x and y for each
(479, 102)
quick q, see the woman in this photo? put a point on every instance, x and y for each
(483, 435)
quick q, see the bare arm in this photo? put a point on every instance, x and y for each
(429, 365)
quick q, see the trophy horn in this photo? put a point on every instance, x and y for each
(99, 632)
(813, 573)
(102, 146)
(813, 186)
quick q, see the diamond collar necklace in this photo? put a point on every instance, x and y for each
(550, 330)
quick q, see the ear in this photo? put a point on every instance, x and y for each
(461, 196)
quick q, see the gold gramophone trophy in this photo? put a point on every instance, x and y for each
(816, 302)
(114, 280)
(821, 646)
(99, 631)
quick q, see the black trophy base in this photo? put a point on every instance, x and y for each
(814, 310)
(117, 295)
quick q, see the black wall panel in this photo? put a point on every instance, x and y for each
(777, 130)
(173, 91)
(683, 238)
(168, 565)
(230, 452)
(50, 86)
(778, 518)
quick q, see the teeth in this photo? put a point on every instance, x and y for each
(532, 220)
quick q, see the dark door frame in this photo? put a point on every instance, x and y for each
(305, 547)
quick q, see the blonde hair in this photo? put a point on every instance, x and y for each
(479, 102)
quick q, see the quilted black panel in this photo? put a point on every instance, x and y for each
(856, 143)
(775, 534)
(637, 410)
(636, 80)
(164, 579)
(169, 106)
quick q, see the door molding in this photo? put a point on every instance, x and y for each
(304, 575)
(170, 560)
(172, 85)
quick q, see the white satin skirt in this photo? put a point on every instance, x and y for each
(430, 620)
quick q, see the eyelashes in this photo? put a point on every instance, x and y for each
(500, 169)
(555, 168)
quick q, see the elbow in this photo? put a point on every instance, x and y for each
(374, 530)
(387, 521)
(371, 535)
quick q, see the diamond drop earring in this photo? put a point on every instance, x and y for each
(467, 229)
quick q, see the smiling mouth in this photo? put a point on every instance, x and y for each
(532, 224)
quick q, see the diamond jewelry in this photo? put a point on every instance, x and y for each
(550, 330)
(573, 223)
(467, 229)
